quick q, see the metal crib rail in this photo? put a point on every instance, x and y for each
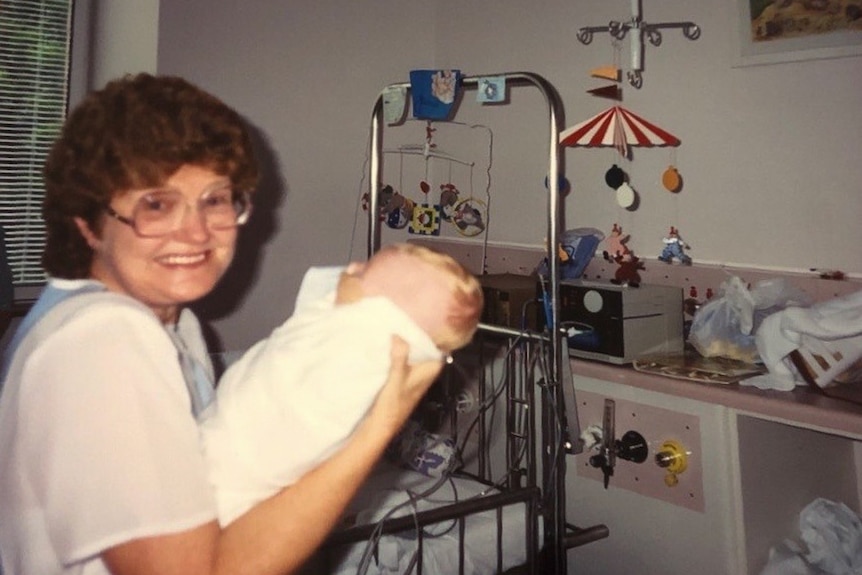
(458, 512)
(358, 533)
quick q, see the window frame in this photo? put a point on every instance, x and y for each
(77, 84)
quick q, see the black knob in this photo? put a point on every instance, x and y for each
(632, 447)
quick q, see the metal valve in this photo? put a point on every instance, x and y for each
(674, 458)
(631, 447)
(606, 458)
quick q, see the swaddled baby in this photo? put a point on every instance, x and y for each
(293, 398)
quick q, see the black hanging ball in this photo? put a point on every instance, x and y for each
(615, 177)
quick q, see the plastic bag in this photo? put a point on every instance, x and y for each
(725, 326)
(831, 536)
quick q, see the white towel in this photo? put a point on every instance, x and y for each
(779, 334)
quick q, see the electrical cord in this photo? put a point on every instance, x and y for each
(413, 499)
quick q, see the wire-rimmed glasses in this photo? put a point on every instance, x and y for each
(160, 212)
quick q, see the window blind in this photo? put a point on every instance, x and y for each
(34, 70)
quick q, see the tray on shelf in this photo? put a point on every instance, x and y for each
(692, 366)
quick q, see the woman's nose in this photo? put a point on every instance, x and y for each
(194, 224)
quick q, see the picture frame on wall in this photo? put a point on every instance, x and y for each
(775, 31)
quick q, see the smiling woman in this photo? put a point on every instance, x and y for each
(173, 124)
(167, 255)
(108, 374)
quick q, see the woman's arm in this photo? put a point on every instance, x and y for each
(278, 535)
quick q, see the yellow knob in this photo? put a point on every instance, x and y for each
(672, 456)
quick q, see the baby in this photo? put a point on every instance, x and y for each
(293, 398)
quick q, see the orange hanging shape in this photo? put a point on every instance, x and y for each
(671, 180)
(606, 72)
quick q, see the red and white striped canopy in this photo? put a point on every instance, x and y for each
(619, 128)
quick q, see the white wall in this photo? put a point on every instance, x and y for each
(125, 34)
(769, 154)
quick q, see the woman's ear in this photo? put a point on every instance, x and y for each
(89, 235)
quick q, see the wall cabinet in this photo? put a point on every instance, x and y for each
(754, 460)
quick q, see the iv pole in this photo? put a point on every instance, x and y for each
(618, 30)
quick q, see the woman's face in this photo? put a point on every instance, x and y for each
(167, 271)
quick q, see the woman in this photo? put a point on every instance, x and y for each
(100, 464)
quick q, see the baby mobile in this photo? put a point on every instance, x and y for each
(467, 215)
(622, 129)
(434, 96)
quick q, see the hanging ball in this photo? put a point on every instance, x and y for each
(670, 179)
(562, 184)
(625, 196)
(615, 177)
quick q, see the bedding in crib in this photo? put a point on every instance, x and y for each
(393, 486)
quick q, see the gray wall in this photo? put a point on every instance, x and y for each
(769, 154)
(112, 38)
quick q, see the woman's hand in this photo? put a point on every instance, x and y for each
(405, 386)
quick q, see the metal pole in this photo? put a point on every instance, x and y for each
(553, 468)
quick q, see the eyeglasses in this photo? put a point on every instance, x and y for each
(161, 212)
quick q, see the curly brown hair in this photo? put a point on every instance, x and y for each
(134, 133)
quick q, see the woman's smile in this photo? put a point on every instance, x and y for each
(184, 260)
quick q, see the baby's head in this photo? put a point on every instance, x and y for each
(441, 296)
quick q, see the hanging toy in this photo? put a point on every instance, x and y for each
(612, 91)
(563, 184)
(615, 177)
(610, 72)
(674, 248)
(469, 217)
(384, 197)
(626, 196)
(400, 210)
(395, 209)
(671, 180)
(389, 201)
(426, 221)
(426, 218)
(448, 199)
